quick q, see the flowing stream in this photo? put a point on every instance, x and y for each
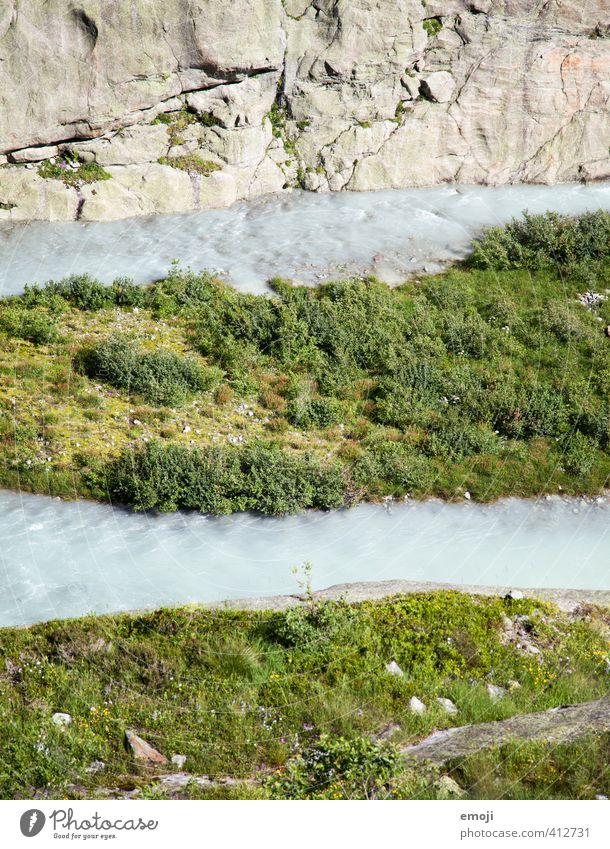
(299, 235)
(60, 559)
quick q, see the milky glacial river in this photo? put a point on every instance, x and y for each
(299, 235)
(60, 559)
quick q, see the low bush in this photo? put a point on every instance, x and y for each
(338, 768)
(314, 412)
(220, 480)
(544, 241)
(580, 454)
(78, 290)
(162, 377)
(35, 325)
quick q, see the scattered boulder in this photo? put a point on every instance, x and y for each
(179, 760)
(447, 705)
(61, 720)
(79, 791)
(590, 299)
(447, 788)
(416, 706)
(392, 668)
(495, 693)
(142, 750)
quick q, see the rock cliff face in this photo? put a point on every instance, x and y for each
(184, 104)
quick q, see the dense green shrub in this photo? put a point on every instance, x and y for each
(453, 440)
(126, 293)
(181, 289)
(79, 290)
(544, 241)
(34, 325)
(390, 468)
(338, 768)
(580, 454)
(314, 412)
(223, 480)
(162, 377)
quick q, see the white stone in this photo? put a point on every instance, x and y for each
(447, 705)
(394, 669)
(416, 705)
(495, 693)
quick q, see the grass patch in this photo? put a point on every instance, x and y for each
(432, 26)
(85, 172)
(291, 699)
(191, 163)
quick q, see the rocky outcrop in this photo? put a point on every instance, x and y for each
(328, 95)
(555, 726)
(568, 601)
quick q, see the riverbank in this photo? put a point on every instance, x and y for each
(308, 237)
(566, 600)
(236, 704)
(486, 381)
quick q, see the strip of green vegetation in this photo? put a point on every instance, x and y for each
(290, 700)
(63, 169)
(220, 480)
(491, 378)
(548, 241)
(191, 163)
(538, 771)
(177, 122)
